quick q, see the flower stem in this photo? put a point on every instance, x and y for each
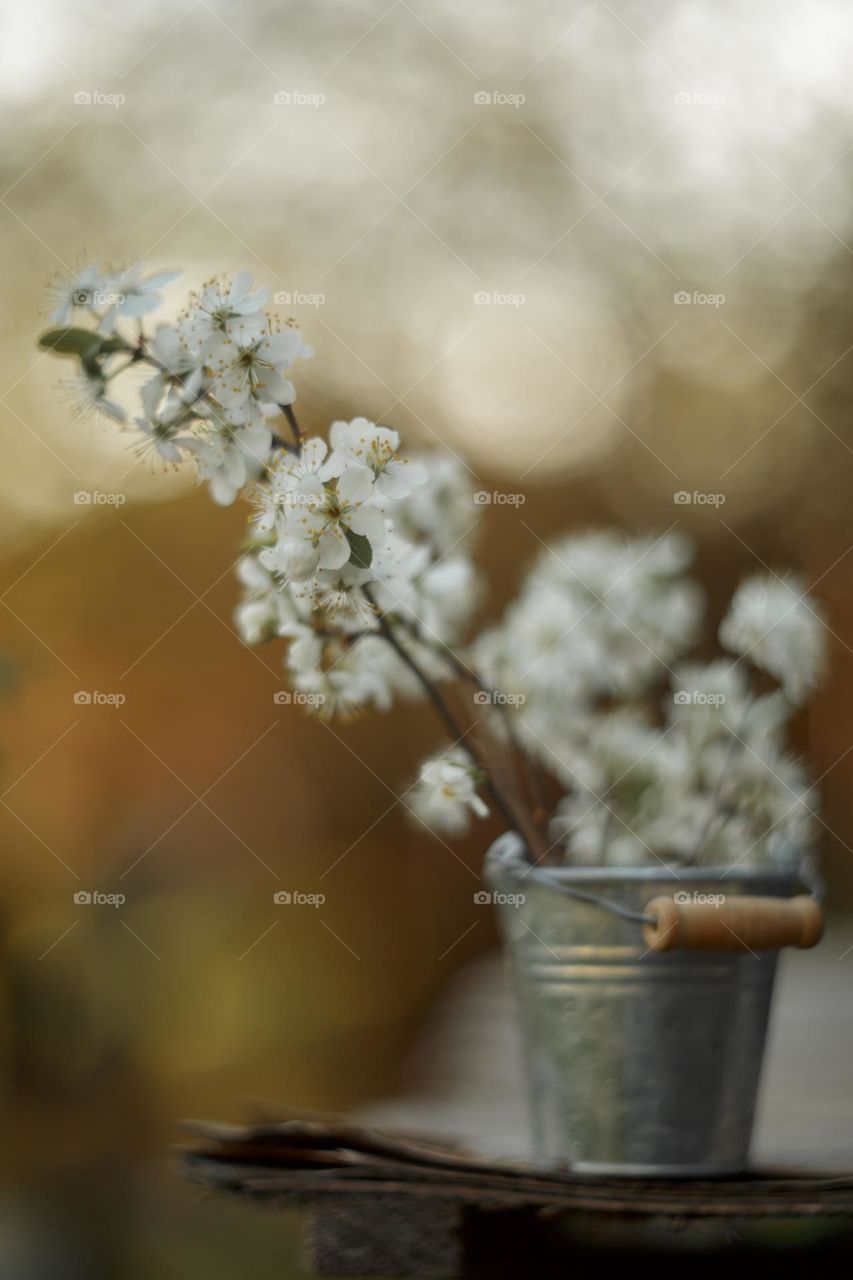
(527, 779)
(716, 795)
(287, 409)
(449, 719)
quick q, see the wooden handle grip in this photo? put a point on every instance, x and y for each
(734, 924)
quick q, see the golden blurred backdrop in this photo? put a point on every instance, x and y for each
(603, 252)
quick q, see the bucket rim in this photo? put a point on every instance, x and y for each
(508, 852)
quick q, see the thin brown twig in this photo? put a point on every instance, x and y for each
(527, 778)
(447, 717)
(287, 410)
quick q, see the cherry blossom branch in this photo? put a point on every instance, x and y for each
(716, 795)
(458, 733)
(527, 776)
(141, 353)
(287, 409)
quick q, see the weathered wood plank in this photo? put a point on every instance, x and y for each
(385, 1235)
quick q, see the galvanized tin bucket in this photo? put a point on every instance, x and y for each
(638, 1062)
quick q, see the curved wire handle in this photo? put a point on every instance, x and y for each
(542, 876)
(512, 848)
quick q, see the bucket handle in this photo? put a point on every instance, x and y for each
(738, 923)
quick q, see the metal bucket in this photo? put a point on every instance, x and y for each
(638, 1062)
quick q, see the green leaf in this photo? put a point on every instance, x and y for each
(71, 342)
(362, 551)
(90, 366)
(112, 344)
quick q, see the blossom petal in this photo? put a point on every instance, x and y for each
(159, 280)
(151, 394)
(397, 479)
(279, 348)
(277, 390)
(341, 436)
(313, 452)
(246, 329)
(369, 522)
(256, 441)
(240, 286)
(334, 549)
(355, 483)
(221, 489)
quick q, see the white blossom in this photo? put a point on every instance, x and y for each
(248, 374)
(634, 608)
(263, 611)
(179, 374)
(230, 457)
(435, 597)
(88, 394)
(319, 502)
(339, 594)
(224, 309)
(445, 795)
(161, 438)
(74, 290)
(342, 676)
(771, 622)
(129, 294)
(441, 512)
(362, 443)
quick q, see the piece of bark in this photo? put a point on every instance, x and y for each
(304, 1159)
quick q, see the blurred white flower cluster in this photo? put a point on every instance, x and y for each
(579, 718)
(217, 376)
(662, 759)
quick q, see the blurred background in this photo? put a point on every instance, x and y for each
(601, 250)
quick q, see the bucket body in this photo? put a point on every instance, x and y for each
(638, 1062)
